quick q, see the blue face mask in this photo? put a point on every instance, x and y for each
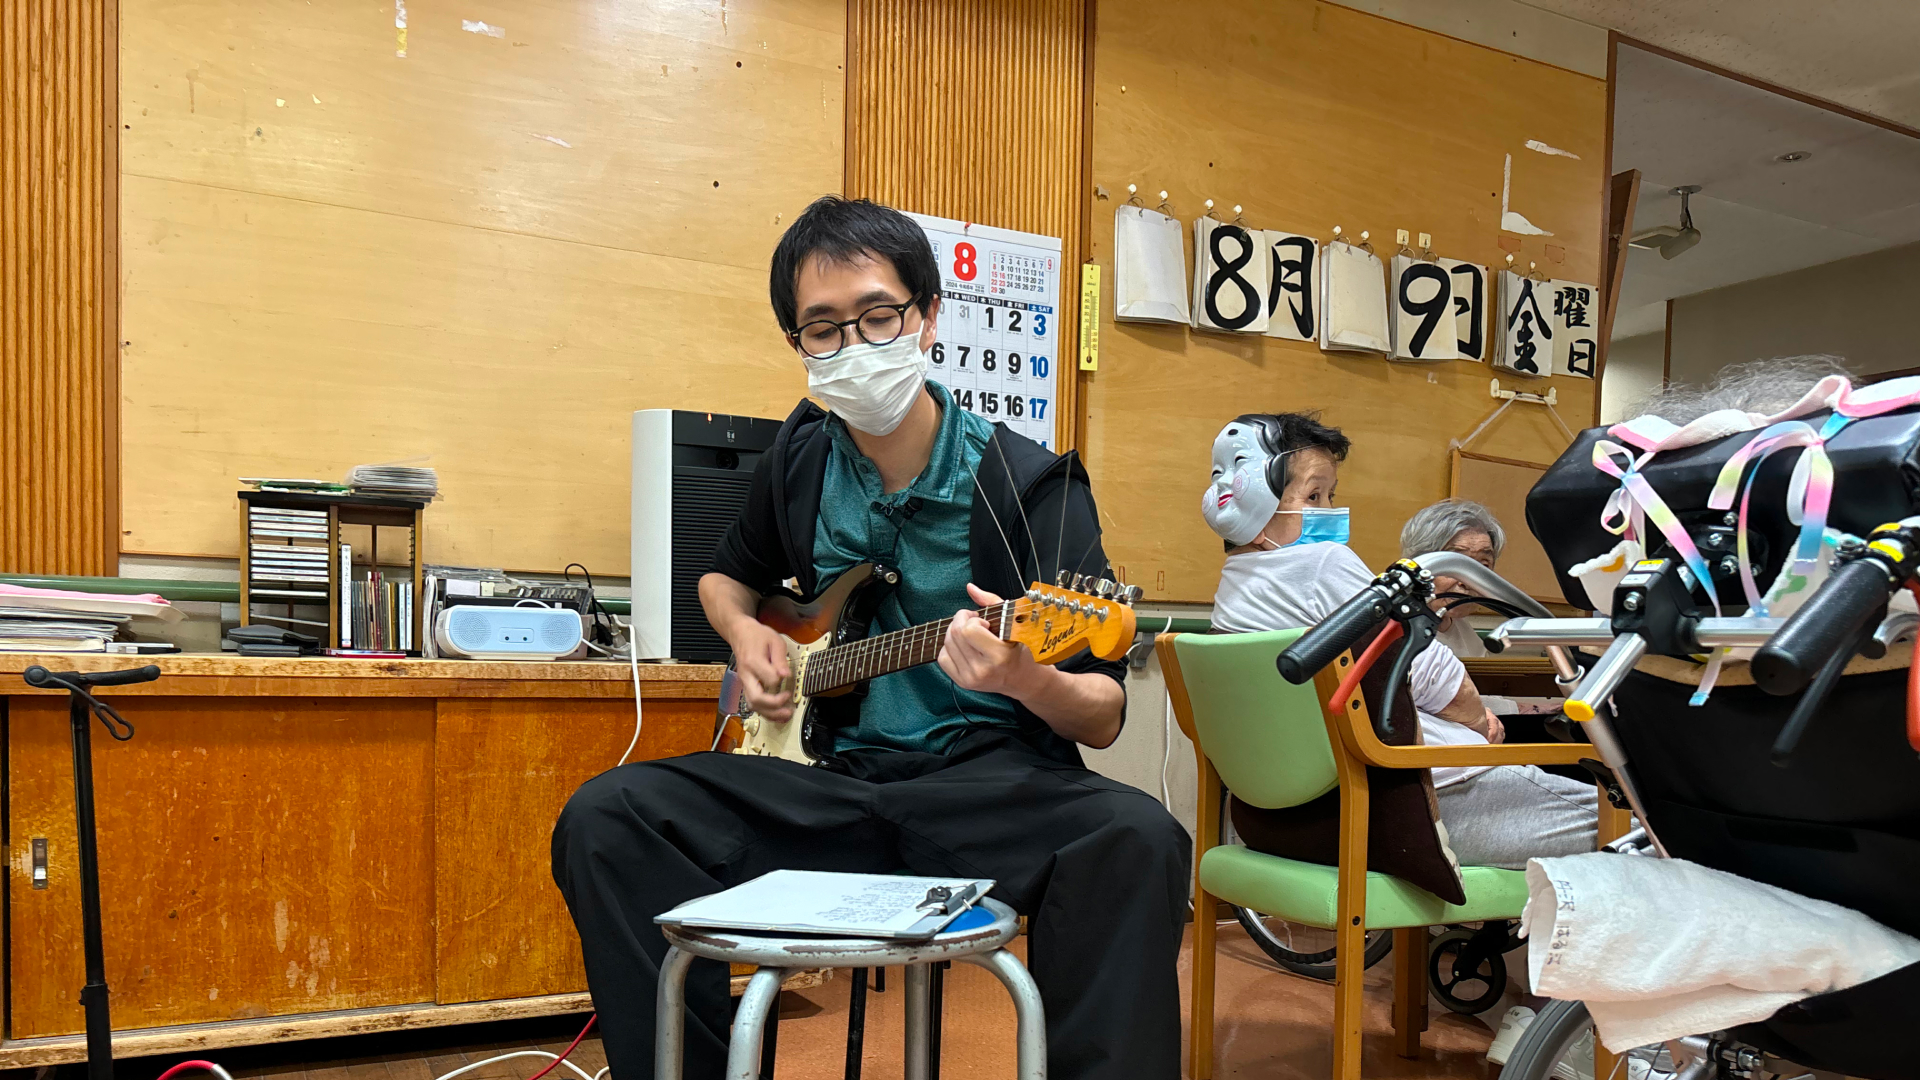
(1321, 525)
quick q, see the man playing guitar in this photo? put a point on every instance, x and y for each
(968, 766)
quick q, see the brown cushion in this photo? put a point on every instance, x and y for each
(1403, 837)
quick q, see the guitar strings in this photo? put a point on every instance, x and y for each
(911, 637)
(843, 666)
(1060, 542)
(1011, 558)
(1033, 548)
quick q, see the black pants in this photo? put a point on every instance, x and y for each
(1100, 868)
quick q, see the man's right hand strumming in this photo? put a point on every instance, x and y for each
(759, 654)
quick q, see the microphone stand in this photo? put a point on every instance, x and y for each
(81, 704)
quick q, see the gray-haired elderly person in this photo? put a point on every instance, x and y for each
(1467, 528)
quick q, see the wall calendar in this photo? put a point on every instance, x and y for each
(999, 337)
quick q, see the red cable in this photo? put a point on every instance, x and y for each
(1913, 686)
(563, 1054)
(185, 1065)
(1351, 683)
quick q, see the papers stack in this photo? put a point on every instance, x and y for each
(407, 480)
(35, 630)
(56, 620)
(848, 905)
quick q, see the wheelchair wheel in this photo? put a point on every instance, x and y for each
(1559, 1045)
(1465, 980)
(1303, 950)
(1550, 1047)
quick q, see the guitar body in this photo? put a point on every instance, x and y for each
(837, 616)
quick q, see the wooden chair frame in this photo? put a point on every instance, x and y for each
(1356, 746)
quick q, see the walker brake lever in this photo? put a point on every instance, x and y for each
(1422, 626)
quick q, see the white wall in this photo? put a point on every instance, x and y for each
(1856, 309)
(1150, 736)
(1507, 25)
(1634, 368)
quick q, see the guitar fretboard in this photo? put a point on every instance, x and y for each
(883, 654)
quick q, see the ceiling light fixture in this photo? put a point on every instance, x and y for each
(1792, 156)
(1671, 240)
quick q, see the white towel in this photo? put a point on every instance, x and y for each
(1660, 948)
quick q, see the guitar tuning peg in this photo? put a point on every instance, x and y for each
(1131, 594)
(1103, 589)
(1060, 578)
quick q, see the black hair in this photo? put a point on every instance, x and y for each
(1283, 432)
(841, 230)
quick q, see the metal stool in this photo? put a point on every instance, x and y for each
(776, 955)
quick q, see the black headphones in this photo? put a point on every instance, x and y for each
(1269, 435)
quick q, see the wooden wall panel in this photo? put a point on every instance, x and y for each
(503, 771)
(1312, 115)
(59, 306)
(491, 250)
(976, 111)
(321, 813)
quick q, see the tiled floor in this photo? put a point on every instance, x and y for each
(1271, 1025)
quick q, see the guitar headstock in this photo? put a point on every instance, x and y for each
(1056, 621)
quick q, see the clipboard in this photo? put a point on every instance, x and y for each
(837, 904)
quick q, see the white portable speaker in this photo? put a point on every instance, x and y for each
(474, 632)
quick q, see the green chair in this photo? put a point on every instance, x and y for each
(1275, 745)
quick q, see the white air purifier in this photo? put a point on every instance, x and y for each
(691, 472)
(477, 632)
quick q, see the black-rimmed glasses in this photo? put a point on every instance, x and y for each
(822, 339)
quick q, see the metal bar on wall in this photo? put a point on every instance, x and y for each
(978, 112)
(59, 303)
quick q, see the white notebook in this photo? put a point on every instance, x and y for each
(822, 902)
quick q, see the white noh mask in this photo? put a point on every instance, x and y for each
(1239, 503)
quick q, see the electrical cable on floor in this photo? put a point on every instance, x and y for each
(558, 1059)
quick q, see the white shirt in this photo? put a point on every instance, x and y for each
(1462, 639)
(1301, 584)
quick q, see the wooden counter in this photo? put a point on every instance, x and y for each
(315, 846)
(1513, 676)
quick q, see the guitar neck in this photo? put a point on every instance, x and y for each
(884, 654)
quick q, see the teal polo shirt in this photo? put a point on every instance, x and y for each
(919, 709)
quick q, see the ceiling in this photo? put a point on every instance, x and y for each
(1858, 191)
(1859, 53)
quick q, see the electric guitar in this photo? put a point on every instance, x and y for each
(831, 658)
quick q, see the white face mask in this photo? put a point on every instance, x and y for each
(1238, 504)
(871, 387)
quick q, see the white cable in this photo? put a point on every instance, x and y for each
(1166, 743)
(578, 1071)
(633, 658)
(1166, 755)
